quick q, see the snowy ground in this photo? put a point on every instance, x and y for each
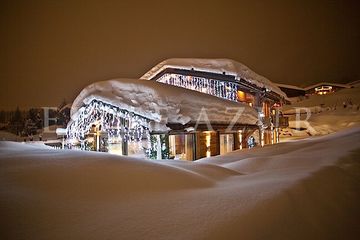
(304, 189)
(307, 189)
(324, 114)
(7, 136)
(47, 135)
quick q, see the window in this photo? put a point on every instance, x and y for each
(226, 143)
(181, 146)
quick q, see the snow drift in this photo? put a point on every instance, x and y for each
(307, 189)
(324, 114)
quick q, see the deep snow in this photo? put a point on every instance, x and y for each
(306, 189)
(163, 103)
(324, 114)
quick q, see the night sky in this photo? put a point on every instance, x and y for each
(50, 50)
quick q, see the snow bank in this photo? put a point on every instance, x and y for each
(163, 103)
(230, 67)
(298, 190)
(324, 114)
(326, 83)
(7, 136)
(289, 86)
(329, 101)
(49, 134)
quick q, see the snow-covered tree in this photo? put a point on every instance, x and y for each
(16, 122)
(63, 114)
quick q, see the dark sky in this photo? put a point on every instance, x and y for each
(50, 50)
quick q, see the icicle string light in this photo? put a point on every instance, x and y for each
(226, 90)
(119, 124)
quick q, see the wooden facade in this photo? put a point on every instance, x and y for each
(210, 142)
(207, 142)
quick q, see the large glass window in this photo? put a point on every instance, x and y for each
(266, 109)
(245, 97)
(136, 148)
(181, 146)
(226, 143)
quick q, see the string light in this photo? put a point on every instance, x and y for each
(226, 90)
(119, 124)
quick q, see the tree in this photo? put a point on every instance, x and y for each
(32, 122)
(30, 127)
(17, 122)
(34, 116)
(63, 114)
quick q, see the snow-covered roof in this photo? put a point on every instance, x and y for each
(327, 84)
(333, 100)
(289, 86)
(219, 66)
(354, 83)
(162, 103)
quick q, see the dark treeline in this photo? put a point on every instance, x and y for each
(31, 121)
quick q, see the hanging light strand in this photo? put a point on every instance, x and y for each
(119, 124)
(221, 89)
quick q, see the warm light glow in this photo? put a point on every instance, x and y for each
(97, 141)
(172, 145)
(323, 90)
(241, 96)
(266, 109)
(226, 143)
(240, 139)
(207, 142)
(115, 148)
(276, 105)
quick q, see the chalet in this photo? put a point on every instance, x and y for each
(318, 88)
(325, 88)
(182, 108)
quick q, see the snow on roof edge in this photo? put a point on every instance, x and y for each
(327, 83)
(161, 102)
(289, 86)
(216, 65)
